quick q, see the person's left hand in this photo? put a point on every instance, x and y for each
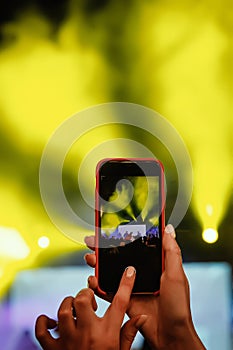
(87, 331)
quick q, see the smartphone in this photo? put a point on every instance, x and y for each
(129, 217)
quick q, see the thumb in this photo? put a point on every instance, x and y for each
(174, 271)
(129, 331)
(173, 258)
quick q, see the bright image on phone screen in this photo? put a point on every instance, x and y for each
(129, 232)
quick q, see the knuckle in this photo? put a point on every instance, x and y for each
(174, 249)
(183, 319)
(40, 319)
(64, 314)
(66, 301)
(83, 296)
(85, 291)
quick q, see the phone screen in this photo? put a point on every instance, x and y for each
(129, 223)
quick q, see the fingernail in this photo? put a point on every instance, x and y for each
(130, 271)
(169, 229)
(140, 322)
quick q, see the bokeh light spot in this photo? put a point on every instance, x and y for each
(43, 242)
(210, 235)
(12, 244)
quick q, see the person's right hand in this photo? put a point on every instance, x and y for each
(79, 328)
(169, 324)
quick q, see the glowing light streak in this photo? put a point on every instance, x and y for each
(200, 104)
(209, 209)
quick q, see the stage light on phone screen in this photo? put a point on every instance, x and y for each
(210, 235)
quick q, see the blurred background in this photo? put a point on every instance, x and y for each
(58, 58)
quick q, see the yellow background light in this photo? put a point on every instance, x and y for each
(174, 57)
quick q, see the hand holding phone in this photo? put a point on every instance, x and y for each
(169, 324)
(129, 223)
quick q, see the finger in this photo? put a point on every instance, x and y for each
(43, 323)
(172, 252)
(90, 259)
(85, 306)
(93, 284)
(174, 278)
(129, 331)
(66, 319)
(90, 242)
(117, 309)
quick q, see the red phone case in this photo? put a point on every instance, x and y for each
(100, 163)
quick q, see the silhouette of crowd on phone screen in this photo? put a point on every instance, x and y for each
(125, 234)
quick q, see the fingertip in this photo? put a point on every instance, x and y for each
(171, 246)
(92, 282)
(169, 241)
(169, 230)
(130, 329)
(90, 259)
(141, 321)
(42, 326)
(87, 292)
(125, 288)
(130, 271)
(48, 322)
(172, 253)
(90, 241)
(85, 297)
